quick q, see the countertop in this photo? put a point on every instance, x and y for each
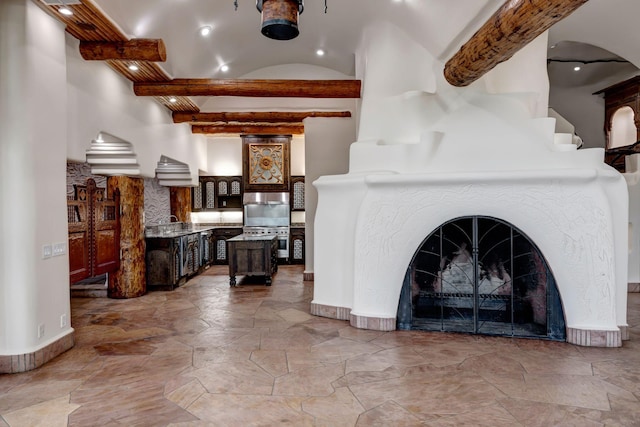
(177, 231)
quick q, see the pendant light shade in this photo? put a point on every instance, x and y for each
(280, 18)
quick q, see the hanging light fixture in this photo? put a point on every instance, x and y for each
(280, 18)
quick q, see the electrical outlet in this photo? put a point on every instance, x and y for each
(63, 320)
(40, 330)
(46, 251)
(59, 248)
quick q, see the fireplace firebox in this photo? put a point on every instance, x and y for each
(481, 275)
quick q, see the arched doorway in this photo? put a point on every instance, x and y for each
(481, 275)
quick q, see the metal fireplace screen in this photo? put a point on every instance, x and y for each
(481, 275)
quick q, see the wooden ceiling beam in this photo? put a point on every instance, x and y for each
(254, 128)
(133, 50)
(254, 116)
(251, 88)
(514, 25)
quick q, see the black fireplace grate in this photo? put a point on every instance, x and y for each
(481, 275)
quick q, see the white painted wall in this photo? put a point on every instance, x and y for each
(583, 109)
(102, 100)
(327, 153)
(33, 135)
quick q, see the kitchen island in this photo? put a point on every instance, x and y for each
(252, 256)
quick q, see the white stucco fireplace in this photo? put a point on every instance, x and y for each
(428, 153)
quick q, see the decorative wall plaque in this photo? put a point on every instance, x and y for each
(266, 162)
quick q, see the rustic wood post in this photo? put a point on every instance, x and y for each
(129, 281)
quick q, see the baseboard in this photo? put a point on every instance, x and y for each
(308, 276)
(13, 364)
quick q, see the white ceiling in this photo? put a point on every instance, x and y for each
(440, 25)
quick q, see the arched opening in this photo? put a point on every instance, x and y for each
(623, 128)
(481, 275)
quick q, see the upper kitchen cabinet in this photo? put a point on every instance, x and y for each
(266, 162)
(217, 192)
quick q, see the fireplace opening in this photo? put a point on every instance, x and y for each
(481, 275)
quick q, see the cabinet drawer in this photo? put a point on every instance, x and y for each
(227, 232)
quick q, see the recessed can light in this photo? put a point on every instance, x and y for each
(224, 68)
(320, 52)
(133, 67)
(173, 99)
(206, 30)
(65, 11)
(576, 68)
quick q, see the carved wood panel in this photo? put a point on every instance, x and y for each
(266, 162)
(94, 232)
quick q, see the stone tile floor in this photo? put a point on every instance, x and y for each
(209, 355)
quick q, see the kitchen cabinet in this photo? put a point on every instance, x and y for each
(220, 236)
(217, 193)
(296, 245)
(163, 263)
(252, 256)
(297, 193)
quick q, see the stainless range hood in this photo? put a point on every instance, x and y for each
(266, 210)
(266, 199)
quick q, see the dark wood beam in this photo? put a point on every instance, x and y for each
(251, 88)
(133, 50)
(255, 116)
(255, 128)
(515, 24)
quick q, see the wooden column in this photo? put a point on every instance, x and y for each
(180, 201)
(129, 281)
(513, 26)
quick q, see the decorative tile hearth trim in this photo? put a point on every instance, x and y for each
(590, 338)
(634, 287)
(373, 323)
(624, 332)
(308, 276)
(340, 313)
(13, 364)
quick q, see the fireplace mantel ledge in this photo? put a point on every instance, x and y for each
(567, 175)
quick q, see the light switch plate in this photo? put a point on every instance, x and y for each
(59, 248)
(46, 251)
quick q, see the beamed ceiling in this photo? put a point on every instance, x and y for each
(102, 40)
(166, 44)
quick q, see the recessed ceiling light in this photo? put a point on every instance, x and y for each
(65, 11)
(224, 68)
(576, 68)
(133, 67)
(173, 99)
(206, 30)
(320, 52)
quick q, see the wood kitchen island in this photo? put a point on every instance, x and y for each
(252, 256)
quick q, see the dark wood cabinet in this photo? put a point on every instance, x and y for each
(163, 263)
(219, 248)
(297, 193)
(252, 256)
(217, 193)
(296, 245)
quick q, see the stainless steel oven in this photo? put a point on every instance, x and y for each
(268, 213)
